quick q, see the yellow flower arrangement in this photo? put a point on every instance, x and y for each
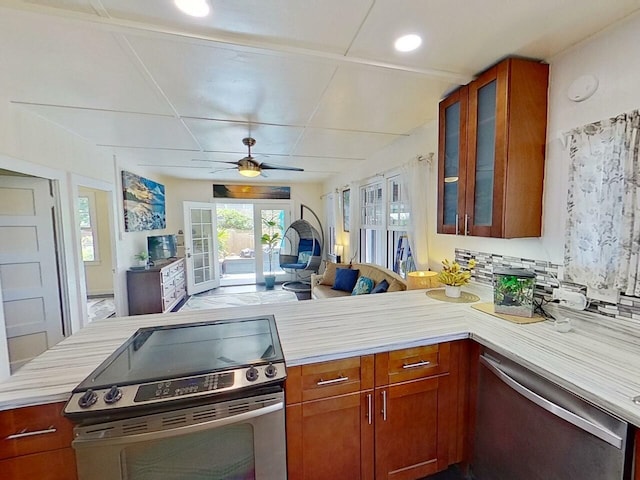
(455, 275)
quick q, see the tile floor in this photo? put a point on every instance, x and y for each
(100, 307)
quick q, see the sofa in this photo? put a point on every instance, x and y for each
(322, 285)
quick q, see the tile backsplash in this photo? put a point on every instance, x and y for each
(546, 280)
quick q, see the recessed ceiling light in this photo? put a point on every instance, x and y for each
(407, 43)
(195, 8)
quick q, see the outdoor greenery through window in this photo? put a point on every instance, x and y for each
(88, 234)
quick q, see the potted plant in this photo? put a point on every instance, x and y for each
(142, 258)
(270, 238)
(454, 276)
(513, 291)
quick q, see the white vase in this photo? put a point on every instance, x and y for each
(452, 291)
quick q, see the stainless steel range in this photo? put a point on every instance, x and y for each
(199, 400)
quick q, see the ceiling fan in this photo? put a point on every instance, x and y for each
(249, 167)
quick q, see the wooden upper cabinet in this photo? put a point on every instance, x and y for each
(499, 144)
(452, 152)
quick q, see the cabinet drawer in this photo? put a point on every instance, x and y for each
(53, 465)
(328, 379)
(34, 429)
(176, 269)
(411, 363)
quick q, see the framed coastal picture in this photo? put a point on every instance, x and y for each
(261, 192)
(144, 203)
(346, 205)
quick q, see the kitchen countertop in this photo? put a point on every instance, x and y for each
(599, 359)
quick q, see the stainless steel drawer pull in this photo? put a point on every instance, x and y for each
(340, 379)
(369, 409)
(24, 433)
(421, 363)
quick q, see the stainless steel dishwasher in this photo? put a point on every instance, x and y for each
(528, 428)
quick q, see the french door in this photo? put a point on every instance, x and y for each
(243, 258)
(200, 243)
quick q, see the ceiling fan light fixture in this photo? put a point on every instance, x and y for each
(249, 169)
(195, 8)
(408, 43)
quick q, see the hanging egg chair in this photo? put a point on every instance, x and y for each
(300, 253)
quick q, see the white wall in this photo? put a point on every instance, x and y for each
(612, 57)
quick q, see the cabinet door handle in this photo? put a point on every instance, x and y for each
(384, 405)
(457, 224)
(24, 433)
(466, 224)
(369, 408)
(332, 381)
(421, 363)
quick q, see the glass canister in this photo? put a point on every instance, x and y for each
(513, 291)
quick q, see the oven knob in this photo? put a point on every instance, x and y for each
(270, 371)
(252, 374)
(89, 398)
(113, 395)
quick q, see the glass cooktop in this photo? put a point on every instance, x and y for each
(176, 351)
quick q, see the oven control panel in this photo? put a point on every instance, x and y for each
(116, 397)
(183, 386)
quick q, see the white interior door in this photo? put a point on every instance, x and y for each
(200, 247)
(28, 269)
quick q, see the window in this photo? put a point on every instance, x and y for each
(397, 205)
(384, 214)
(372, 219)
(88, 228)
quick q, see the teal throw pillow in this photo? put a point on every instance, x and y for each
(381, 287)
(346, 279)
(363, 285)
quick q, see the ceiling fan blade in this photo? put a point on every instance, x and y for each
(267, 166)
(222, 170)
(212, 161)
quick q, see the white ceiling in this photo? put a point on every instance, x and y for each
(316, 82)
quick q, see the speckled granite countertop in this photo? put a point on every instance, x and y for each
(598, 360)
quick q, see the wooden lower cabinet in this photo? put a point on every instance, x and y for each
(35, 443)
(400, 419)
(331, 438)
(51, 465)
(410, 442)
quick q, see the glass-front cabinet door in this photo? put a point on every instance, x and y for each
(452, 161)
(487, 153)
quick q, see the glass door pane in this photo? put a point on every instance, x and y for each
(273, 221)
(451, 163)
(236, 243)
(485, 155)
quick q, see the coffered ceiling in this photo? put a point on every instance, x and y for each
(317, 83)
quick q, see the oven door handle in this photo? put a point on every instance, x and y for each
(171, 432)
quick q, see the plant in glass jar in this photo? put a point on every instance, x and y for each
(454, 276)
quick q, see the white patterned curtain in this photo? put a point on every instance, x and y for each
(415, 178)
(602, 242)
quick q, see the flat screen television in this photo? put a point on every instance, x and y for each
(162, 247)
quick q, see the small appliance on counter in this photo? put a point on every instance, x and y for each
(513, 291)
